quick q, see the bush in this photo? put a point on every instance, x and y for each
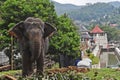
(94, 59)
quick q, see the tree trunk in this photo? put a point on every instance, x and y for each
(65, 60)
(61, 60)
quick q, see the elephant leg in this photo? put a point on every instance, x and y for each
(30, 66)
(27, 65)
(40, 64)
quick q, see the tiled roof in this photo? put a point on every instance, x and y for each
(85, 35)
(96, 29)
(84, 32)
(83, 29)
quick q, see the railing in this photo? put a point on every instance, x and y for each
(117, 52)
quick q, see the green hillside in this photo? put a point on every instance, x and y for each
(90, 12)
(115, 4)
(98, 13)
(65, 8)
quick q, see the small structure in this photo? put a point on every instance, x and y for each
(85, 62)
(99, 37)
(85, 36)
(3, 59)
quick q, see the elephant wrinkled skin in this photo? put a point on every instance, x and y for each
(32, 35)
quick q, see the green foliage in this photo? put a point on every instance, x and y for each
(11, 72)
(4, 40)
(112, 33)
(15, 10)
(67, 39)
(103, 74)
(94, 59)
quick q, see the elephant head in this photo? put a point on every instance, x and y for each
(20, 29)
(32, 35)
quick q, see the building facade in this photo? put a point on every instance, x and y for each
(99, 37)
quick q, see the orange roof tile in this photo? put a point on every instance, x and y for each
(96, 29)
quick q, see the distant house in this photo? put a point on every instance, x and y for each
(113, 25)
(85, 36)
(84, 33)
(99, 37)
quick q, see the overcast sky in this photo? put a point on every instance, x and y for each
(82, 2)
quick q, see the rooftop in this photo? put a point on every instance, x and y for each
(96, 29)
(85, 35)
(83, 29)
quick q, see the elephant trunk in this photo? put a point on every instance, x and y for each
(35, 48)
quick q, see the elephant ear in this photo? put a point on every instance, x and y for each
(17, 30)
(48, 29)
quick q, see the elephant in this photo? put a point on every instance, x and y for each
(33, 38)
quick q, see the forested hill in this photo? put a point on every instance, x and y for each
(92, 12)
(101, 13)
(115, 4)
(65, 8)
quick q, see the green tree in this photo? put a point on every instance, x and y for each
(67, 40)
(112, 33)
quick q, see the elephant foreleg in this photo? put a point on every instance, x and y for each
(27, 65)
(40, 65)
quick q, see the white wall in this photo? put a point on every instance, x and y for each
(101, 39)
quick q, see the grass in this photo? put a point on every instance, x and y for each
(93, 74)
(104, 74)
(10, 72)
(112, 59)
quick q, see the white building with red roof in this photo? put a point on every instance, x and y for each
(99, 37)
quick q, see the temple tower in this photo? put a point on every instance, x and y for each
(99, 37)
